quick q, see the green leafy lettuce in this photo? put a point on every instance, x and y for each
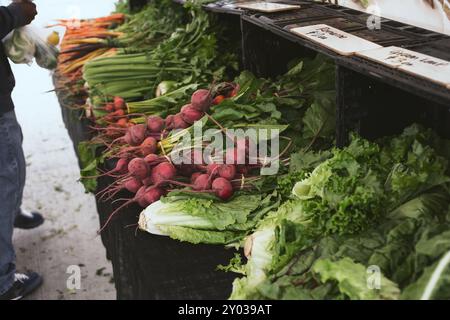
(206, 219)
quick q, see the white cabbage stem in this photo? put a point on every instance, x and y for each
(435, 277)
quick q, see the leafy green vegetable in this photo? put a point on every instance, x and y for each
(89, 163)
(306, 92)
(351, 279)
(205, 219)
(344, 194)
(346, 217)
(191, 54)
(148, 27)
(416, 290)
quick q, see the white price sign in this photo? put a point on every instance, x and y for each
(431, 68)
(334, 39)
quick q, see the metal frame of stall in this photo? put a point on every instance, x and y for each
(371, 99)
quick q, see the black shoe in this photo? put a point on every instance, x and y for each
(28, 220)
(23, 285)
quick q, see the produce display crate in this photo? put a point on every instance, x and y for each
(265, 53)
(375, 107)
(391, 32)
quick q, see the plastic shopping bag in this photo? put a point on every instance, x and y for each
(25, 44)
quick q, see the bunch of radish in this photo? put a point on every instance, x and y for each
(116, 114)
(158, 172)
(122, 130)
(138, 148)
(142, 172)
(142, 139)
(152, 177)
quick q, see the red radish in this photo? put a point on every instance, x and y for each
(194, 176)
(120, 168)
(142, 202)
(109, 117)
(149, 146)
(123, 122)
(190, 114)
(162, 172)
(227, 171)
(133, 185)
(169, 122)
(203, 182)
(127, 137)
(119, 103)
(212, 169)
(118, 113)
(235, 91)
(179, 123)
(218, 100)
(201, 100)
(112, 133)
(151, 158)
(147, 181)
(222, 188)
(136, 135)
(153, 194)
(109, 107)
(155, 124)
(138, 168)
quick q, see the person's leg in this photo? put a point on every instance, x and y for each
(10, 189)
(25, 219)
(22, 169)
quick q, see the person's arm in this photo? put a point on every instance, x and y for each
(16, 15)
(7, 22)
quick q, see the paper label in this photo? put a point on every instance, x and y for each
(339, 41)
(267, 6)
(416, 63)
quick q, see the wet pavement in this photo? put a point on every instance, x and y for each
(68, 240)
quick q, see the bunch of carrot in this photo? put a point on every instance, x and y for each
(85, 40)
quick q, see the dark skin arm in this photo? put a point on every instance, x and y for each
(17, 14)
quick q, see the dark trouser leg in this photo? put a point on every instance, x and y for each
(12, 179)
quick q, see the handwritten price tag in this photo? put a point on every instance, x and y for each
(334, 39)
(422, 65)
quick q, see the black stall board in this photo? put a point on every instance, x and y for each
(286, 34)
(304, 14)
(340, 23)
(355, 24)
